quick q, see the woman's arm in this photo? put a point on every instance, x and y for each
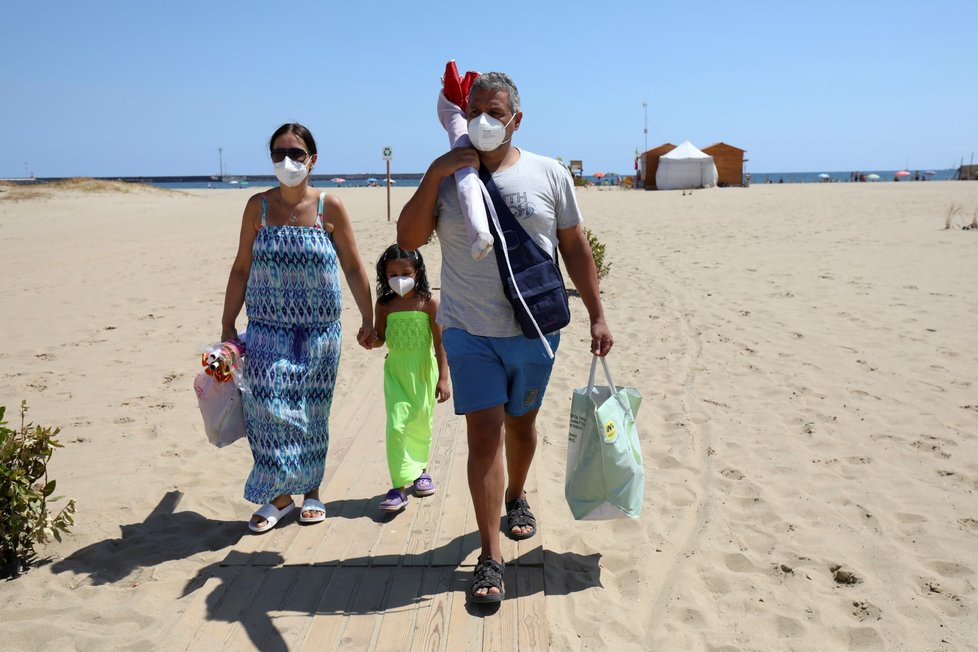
(442, 390)
(234, 295)
(356, 275)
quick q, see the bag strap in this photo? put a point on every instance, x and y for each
(607, 374)
(493, 201)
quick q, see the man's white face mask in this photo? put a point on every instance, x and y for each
(487, 133)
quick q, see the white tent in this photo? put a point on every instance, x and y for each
(685, 167)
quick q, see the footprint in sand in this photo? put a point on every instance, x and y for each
(732, 473)
(863, 610)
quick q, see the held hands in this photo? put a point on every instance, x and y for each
(366, 337)
(601, 340)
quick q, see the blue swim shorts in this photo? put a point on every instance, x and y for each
(490, 371)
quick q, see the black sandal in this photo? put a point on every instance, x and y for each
(488, 574)
(518, 514)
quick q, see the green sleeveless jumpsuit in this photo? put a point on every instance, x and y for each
(410, 376)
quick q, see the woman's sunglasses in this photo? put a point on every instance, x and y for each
(294, 153)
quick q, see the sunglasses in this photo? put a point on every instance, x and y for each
(294, 153)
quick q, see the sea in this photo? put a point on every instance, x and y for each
(244, 182)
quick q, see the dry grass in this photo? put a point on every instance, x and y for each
(27, 192)
(952, 210)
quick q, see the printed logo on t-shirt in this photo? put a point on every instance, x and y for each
(519, 205)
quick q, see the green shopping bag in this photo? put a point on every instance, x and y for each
(605, 476)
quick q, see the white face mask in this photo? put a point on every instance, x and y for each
(290, 173)
(401, 284)
(487, 133)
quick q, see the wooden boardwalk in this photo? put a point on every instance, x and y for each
(365, 580)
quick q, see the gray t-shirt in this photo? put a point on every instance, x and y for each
(540, 193)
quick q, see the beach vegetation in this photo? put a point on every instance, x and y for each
(598, 253)
(952, 211)
(26, 520)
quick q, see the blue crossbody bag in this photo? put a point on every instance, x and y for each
(531, 279)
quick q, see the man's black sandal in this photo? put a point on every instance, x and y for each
(488, 574)
(518, 514)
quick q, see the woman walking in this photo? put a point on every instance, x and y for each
(294, 241)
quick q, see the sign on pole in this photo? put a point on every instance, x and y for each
(388, 154)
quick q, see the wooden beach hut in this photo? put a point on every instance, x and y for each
(650, 160)
(730, 163)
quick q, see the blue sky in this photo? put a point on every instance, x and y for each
(132, 88)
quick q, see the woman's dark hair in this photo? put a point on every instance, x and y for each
(384, 292)
(299, 130)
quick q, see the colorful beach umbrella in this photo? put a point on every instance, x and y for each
(873, 177)
(824, 176)
(338, 180)
(903, 173)
(598, 175)
(930, 173)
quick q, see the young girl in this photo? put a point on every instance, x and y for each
(415, 371)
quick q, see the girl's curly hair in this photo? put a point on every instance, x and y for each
(384, 292)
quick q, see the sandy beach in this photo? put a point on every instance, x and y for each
(806, 353)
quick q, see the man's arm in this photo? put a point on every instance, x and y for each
(579, 262)
(417, 219)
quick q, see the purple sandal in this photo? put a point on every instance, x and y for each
(424, 485)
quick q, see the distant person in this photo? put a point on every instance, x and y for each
(415, 370)
(294, 241)
(499, 376)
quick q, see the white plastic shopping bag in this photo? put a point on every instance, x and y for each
(605, 475)
(222, 410)
(218, 388)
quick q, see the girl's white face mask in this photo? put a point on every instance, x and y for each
(487, 133)
(401, 284)
(290, 173)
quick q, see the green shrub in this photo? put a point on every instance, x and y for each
(25, 492)
(597, 251)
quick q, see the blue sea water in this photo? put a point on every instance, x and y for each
(244, 183)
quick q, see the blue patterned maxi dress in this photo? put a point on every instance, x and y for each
(293, 302)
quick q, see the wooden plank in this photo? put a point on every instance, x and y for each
(533, 627)
(244, 584)
(465, 630)
(398, 625)
(255, 624)
(500, 630)
(414, 537)
(342, 488)
(197, 606)
(330, 614)
(434, 610)
(366, 609)
(300, 605)
(447, 546)
(285, 538)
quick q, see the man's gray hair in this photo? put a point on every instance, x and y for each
(498, 81)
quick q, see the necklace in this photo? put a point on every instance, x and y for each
(293, 219)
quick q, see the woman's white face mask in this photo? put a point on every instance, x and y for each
(290, 173)
(487, 133)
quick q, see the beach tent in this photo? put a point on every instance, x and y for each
(685, 167)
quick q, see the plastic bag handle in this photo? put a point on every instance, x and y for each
(607, 374)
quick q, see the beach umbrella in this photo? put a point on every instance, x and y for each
(371, 180)
(930, 173)
(598, 175)
(903, 173)
(873, 177)
(393, 181)
(338, 180)
(824, 176)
